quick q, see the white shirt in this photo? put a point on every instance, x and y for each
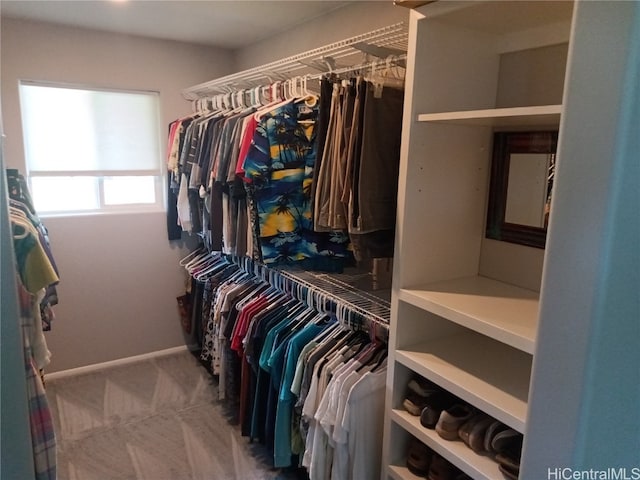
(363, 421)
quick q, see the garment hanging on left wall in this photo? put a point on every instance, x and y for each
(36, 279)
(21, 205)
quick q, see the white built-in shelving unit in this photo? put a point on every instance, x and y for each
(544, 340)
(465, 309)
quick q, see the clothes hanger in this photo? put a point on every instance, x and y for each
(191, 255)
(238, 277)
(17, 235)
(304, 318)
(17, 212)
(311, 98)
(278, 100)
(201, 263)
(328, 333)
(26, 221)
(301, 93)
(381, 361)
(210, 270)
(210, 261)
(252, 294)
(26, 224)
(22, 205)
(201, 257)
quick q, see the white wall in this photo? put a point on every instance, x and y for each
(346, 22)
(119, 273)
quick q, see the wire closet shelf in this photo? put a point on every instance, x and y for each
(378, 47)
(337, 288)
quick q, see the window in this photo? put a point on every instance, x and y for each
(91, 150)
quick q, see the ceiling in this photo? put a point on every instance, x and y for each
(223, 23)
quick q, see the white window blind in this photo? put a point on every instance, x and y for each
(91, 150)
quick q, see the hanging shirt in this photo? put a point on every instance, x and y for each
(286, 399)
(280, 167)
(34, 267)
(43, 438)
(362, 421)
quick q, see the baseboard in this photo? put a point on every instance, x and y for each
(114, 363)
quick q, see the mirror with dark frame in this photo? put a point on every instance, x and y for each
(522, 172)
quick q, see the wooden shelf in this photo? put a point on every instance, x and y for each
(504, 312)
(477, 466)
(489, 375)
(503, 117)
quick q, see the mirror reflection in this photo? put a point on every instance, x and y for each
(522, 172)
(529, 189)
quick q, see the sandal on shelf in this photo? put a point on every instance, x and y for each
(452, 419)
(419, 458)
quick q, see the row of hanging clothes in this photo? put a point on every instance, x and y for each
(287, 174)
(36, 280)
(299, 371)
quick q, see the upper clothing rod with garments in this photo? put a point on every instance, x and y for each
(293, 176)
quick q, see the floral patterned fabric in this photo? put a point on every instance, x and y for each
(280, 166)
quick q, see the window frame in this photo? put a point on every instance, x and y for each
(158, 174)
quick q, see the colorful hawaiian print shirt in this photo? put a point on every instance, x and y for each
(280, 166)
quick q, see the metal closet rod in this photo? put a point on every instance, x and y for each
(383, 42)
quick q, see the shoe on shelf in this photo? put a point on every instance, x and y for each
(418, 392)
(494, 429)
(452, 419)
(414, 403)
(435, 404)
(509, 471)
(508, 447)
(441, 469)
(419, 458)
(508, 442)
(473, 431)
(422, 386)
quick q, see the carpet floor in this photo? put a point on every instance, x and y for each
(156, 419)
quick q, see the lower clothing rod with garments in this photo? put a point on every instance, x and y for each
(300, 373)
